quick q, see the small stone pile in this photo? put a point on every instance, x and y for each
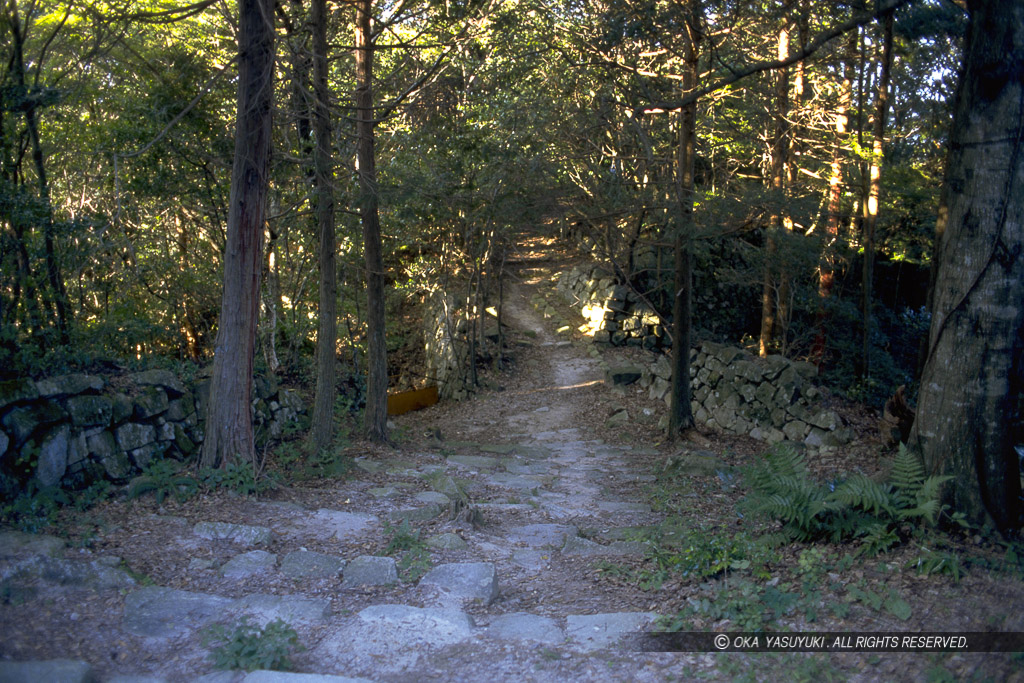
(614, 314)
(76, 429)
(770, 399)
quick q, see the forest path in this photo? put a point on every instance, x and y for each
(471, 557)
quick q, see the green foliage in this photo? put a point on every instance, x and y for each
(249, 647)
(164, 478)
(857, 507)
(240, 478)
(35, 508)
(414, 559)
(676, 549)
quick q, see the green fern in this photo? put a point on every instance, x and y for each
(856, 507)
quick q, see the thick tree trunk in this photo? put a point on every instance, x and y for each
(680, 411)
(875, 191)
(323, 165)
(229, 434)
(376, 417)
(968, 412)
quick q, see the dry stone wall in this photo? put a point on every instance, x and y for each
(732, 391)
(770, 399)
(75, 429)
(612, 313)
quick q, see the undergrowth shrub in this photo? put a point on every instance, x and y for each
(249, 647)
(878, 514)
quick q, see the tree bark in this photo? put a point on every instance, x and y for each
(826, 271)
(229, 434)
(875, 191)
(680, 411)
(323, 167)
(969, 409)
(376, 417)
(779, 158)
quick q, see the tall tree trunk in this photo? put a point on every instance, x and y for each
(826, 277)
(779, 158)
(875, 190)
(28, 104)
(229, 434)
(680, 411)
(323, 165)
(968, 414)
(376, 417)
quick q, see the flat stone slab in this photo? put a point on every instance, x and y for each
(302, 564)
(532, 560)
(247, 564)
(384, 492)
(447, 541)
(94, 574)
(422, 514)
(524, 626)
(527, 467)
(617, 506)
(292, 609)
(463, 581)
(286, 677)
(499, 448)
(344, 525)
(574, 545)
(243, 534)
(370, 570)
(55, 670)
(18, 544)
(392, 638)
(156, 612)
(433, 497)
(540, 535)
(520, 482)
(596, 631)
(476, 462)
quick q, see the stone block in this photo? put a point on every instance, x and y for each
(53, 456)
(23, 421)
(90, 411)
(16, 391)
(165, 379)
(69, 385)
(370, 570)
(133, 435)
(464, 581)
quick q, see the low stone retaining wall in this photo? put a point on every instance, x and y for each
(770, 399)
(76, 429)
(732, 391)
(613, 313)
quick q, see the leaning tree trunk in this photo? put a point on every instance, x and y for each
(376, 417)
(323, 165)
(229, 434)
(968, 413)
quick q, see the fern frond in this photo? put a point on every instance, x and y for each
(862, 492)
(908, 471)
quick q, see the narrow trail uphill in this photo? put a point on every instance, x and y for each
(496, 521)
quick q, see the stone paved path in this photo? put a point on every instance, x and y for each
(496, 604)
